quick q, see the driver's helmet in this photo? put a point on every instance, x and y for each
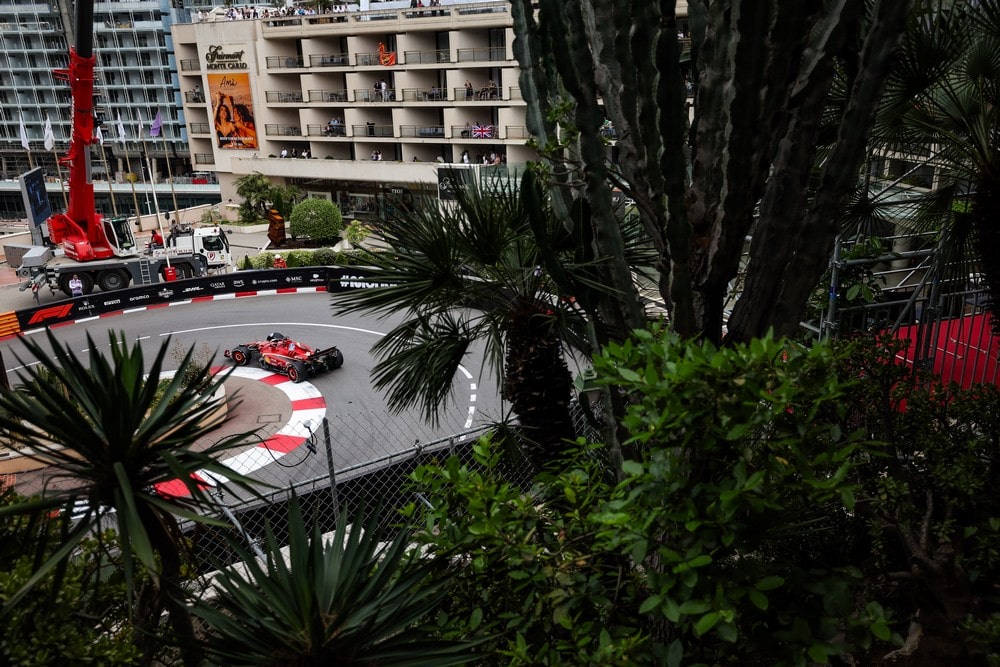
(272, 337)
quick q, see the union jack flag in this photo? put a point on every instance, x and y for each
(482, 131)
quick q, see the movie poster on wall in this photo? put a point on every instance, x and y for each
(232, 110)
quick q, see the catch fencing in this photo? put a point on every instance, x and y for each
(339, 465)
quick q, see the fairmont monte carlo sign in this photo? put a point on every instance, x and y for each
(216, 58)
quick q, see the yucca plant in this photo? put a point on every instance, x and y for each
(110, 441)
(348, 599)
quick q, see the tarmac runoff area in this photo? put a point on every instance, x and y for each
(260, 401)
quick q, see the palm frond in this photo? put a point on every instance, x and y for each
(346, 598)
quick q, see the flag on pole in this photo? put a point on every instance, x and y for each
(154, 129)
(99, 135)
(121, 130)
(24, 135)
(50, 138)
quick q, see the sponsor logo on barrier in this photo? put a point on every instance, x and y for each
(140, 297)
(51, 313)
(217, 285)
(360, 282)
(197, 288)
(112, 302)
(165, 293)
(238, 283)
(266, 281)
(293, 279)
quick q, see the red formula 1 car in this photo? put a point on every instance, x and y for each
(284, 355)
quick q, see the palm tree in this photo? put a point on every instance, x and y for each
(259, 195)
(345, 599)
(942, 101)
(475, 271)
(112, 441)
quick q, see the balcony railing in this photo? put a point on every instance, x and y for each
(482, 54)
(285, 62)
(326, 130)
(329, 60)
(514, 93)
(204, 158)
(365, 59)
(283, 96)
(335, 95)
(372, 95)
(372, 130)
(279, 130)
(194, 97)
(426, 57)
(190, 65)
(199, 128)
(516, 132)
(477, 94)
(424, 94)
(422, 131)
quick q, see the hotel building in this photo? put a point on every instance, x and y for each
(418, 87)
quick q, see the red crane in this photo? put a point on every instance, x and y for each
(80, 230)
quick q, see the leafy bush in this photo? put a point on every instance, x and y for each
(357, 232)
(299, 258)
(324, 257)
(319, 220)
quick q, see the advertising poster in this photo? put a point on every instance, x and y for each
(232, 110)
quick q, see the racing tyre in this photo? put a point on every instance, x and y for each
(296, 371)
(335, 360)
(240, 355)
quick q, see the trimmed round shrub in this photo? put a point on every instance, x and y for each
(318, 220)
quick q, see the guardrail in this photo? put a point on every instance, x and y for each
(245, 283)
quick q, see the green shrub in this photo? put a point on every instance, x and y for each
(316, 219)
(299, 258)
(324, 257)
(357, 232)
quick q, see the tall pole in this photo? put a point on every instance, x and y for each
(128, 165)
(152, 186)
(170, 176)
(62, 183)
(107, 173)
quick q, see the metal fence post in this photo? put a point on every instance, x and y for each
(328, 446)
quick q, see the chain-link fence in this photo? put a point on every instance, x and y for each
(338, 465)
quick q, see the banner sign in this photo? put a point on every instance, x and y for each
(248, 283)
(232, 107)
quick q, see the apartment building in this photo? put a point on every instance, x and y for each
(135, 78)
(353, 104)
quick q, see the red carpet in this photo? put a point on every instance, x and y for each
(962, 350)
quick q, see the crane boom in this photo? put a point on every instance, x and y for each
(80, 230)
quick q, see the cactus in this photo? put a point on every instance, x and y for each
(766, 74)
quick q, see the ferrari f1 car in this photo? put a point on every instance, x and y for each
(284, 355)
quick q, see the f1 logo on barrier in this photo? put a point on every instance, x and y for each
(51, 313)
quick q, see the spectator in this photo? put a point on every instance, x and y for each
(175, 230)
(76, 286)
(284, 152)
(156, 241)
(465, 157)
(468, 91)
(279, 262)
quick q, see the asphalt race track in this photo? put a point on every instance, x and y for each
(356, 412)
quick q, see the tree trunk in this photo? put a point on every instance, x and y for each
(537, 382)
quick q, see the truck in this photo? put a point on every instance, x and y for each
(194, 251)
(102, 251)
